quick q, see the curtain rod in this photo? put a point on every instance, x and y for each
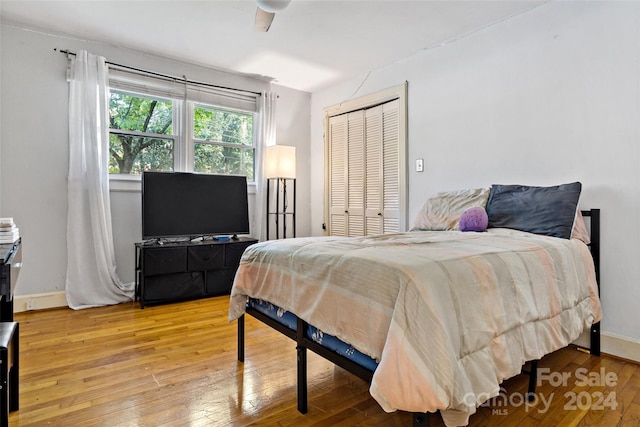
(166, 76)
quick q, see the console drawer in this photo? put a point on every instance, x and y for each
(174, 286)
(205, 257)
(219, 282)
(164, 260)
(234, 252)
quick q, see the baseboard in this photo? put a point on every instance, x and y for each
(620, 346)
(615, 345)
(39, 301)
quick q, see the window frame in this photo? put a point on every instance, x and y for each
(191, 106)
(175, 109)
(182, 135)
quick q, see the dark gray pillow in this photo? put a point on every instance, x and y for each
(549, 211)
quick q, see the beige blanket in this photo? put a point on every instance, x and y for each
(449, 315)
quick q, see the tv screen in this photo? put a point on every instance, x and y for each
(179, 204)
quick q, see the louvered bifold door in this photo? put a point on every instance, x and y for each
(364, 171)
(391, 166)
(338, 137)
(373, 177)
(355, 174)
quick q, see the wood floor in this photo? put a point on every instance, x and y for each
(175, 365)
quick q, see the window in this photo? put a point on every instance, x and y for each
(140, 134)
(223, 141)
(147, 132)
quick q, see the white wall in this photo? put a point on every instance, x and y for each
(546, 97)
(34, 148)
(34, 135)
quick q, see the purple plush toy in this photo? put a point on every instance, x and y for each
(474, 219)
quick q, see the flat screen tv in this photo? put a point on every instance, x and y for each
(180, 204)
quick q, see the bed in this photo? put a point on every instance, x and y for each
(435, 319)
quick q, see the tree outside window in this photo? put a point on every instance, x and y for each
(141, 137)
(223, 141)
(141, 134)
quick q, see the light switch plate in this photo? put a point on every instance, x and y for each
(419, 165)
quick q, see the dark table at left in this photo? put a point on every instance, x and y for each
(10, 265)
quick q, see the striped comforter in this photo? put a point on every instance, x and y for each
(449, 315)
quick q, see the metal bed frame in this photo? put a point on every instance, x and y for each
(303, 343)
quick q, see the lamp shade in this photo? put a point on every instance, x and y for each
(281, 161)
(273, 6)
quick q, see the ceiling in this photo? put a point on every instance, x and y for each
(311, 44)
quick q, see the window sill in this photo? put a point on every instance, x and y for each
(133, 183)
(126, 183)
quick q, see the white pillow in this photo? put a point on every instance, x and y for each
(442, 211)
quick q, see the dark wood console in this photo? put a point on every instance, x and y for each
(185, 270)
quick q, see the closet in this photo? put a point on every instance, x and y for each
(366, 157)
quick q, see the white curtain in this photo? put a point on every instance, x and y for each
(266, 138)
(91, 269)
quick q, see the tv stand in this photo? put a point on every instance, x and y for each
(174, 271)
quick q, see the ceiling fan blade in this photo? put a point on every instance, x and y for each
(263, 20)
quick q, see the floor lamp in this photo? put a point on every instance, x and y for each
(281, 169)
